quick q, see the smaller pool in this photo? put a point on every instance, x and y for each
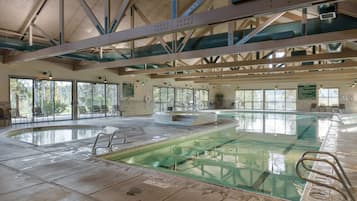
(54, 134)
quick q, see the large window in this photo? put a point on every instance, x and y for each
(163, 98)
(201, 99)
(274, 99)
(179, 99)
(249, 99)
(40, 100)
(97, 100)
(21, 100)
(280, 99)
(328, 96)
(52, 100)
(183, 99)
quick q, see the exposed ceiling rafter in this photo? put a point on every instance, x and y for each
(233, 12)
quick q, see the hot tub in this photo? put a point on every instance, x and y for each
(185, 118)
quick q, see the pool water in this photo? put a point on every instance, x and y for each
(54, 135)
(259, 154)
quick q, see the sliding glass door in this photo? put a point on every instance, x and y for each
(43, 101)
(163, 99)
(97, 100)
(21, 100)
(52, 100)
(40, 100)
(201, 99)
(63, 100)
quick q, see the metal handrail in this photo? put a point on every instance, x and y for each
(342, 178)
(110, 141)
(336, 160)
(94, 148)
(110, 145)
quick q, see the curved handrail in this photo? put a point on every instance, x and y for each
(334, 157)
(342, 178)
(94, 148)
(116, 132)
(316, 182)
(110, 141)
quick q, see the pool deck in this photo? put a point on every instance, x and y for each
(67, 171)
(341, 141)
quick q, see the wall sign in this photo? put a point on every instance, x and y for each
(307, 92)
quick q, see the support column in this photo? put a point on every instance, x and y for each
(107, 16)
(132, 24)
(30, 35)
(304, 21)
(61, 22)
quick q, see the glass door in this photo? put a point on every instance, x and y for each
(43, 109)
(63, 100)
(21, 100)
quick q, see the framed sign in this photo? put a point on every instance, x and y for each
(307, 92)
(128, 90)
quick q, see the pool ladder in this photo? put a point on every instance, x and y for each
(341, 176)
(114, 132)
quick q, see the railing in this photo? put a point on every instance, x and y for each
(110, 144)
(341, 175)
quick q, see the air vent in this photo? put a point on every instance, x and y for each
(327, 16)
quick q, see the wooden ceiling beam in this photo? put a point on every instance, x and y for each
(281, 75)
(350, 64)
(316, 57)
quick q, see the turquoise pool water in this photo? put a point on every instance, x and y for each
(259, 154)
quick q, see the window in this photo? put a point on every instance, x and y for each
(280, 99)
(201, 99)
(40, 100)
(163, 98)
(328, 96)
(249, 99)
(21, 100)
(184, 99)
(179, 99)
(97, 100)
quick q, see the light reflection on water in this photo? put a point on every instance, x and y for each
(301, 126)
(46, 136)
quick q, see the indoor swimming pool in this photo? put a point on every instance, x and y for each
(54, 134)
(258, 154)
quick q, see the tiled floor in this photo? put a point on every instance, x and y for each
(67, 171)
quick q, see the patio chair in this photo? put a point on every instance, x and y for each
(82, 110)
(341, 108)
(37, 112)
(313, 107)
(104, 109)
(96, 109)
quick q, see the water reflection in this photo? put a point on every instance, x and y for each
(46, 136)
(298, 125)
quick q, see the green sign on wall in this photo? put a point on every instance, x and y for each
(307, 92)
